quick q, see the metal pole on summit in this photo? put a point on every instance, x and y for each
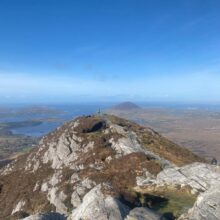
(214, 161)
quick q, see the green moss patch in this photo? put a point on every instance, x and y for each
(170, 203)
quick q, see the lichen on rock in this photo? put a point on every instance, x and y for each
(99, 167)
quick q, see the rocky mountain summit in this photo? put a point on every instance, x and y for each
(107, 168)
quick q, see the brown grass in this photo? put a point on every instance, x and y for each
(19, 185)
(161, 146)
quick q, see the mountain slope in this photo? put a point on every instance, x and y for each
(91, 160)
(126, 106)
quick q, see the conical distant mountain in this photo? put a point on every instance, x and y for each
(126, 106)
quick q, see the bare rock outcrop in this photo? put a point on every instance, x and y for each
(202, 179)
(207, 206)
(198, 176)
(98, 206)
(143, 214)
(66, 172)
(47, 216)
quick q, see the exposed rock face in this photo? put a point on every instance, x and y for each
(100, 207)
(201, 178)
(143, 214)
(49, 216)
(90, 168)
(207, 206)
(198, 176)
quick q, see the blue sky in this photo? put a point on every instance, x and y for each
(110, 50)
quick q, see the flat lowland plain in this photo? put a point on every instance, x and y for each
(195, 129)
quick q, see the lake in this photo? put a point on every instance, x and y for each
(51, 116)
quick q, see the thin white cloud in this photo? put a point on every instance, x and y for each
(201, 86)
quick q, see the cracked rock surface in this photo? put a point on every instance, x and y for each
(90, 167)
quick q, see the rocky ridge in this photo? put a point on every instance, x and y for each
(107, 168)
